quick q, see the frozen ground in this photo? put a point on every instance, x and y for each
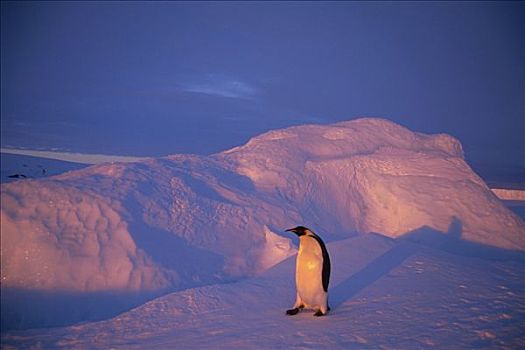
(81, 158)
(34, 164)
(15, 167)
(385, 294)
(424, 253)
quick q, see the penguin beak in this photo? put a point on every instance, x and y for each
(291, 230)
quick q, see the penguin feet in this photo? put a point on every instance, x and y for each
(319, 313)
(292, 312)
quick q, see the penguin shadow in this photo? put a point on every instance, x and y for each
(421, 240)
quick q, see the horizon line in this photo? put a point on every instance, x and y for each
(74, 157)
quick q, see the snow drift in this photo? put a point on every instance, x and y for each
(185, 220)
(509, 195)
(384, 294)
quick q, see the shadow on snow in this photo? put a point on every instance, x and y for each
(411, 243)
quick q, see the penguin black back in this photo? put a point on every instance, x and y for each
(326, 262)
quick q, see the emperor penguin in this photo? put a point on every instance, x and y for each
(312, 273)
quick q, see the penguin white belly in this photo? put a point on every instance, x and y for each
(308, 274)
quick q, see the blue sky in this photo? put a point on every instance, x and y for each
(157, 78)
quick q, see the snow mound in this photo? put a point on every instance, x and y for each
(185, 220)
(372, 175)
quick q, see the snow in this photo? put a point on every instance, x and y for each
(81, 158)
(207, 232)
(509, 195)
(15, 167)
(384, 294)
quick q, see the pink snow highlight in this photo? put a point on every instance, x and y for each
(82, 230)
(183, 221)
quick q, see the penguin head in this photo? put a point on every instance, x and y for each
(299, 230)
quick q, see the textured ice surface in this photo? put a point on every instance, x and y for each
(384, 294)
(120, 230)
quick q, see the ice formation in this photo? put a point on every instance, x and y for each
(186, 220)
